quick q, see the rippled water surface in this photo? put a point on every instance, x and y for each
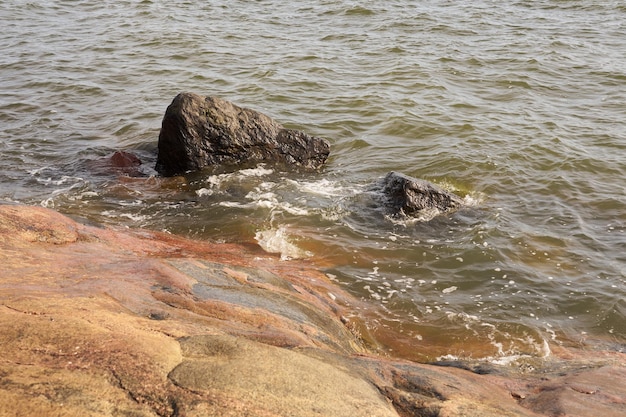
(518, 106)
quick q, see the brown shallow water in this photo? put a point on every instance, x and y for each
(516, 106)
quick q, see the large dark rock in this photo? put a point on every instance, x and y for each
(202, 131)
(404, 195)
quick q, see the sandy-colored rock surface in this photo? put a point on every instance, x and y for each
(102, 322)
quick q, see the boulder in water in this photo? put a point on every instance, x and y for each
(202, 131)
(404, 195)
(123, 159)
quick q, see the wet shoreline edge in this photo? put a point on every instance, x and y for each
(144, 316)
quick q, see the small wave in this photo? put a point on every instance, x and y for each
(323, 187)
(425, 215)
(266, 200)
(359, 11)
(217, 180)
(474, 199)
(278, 241)
(50, 180)
(70, 193)
(134, 217)
(510, 346)
(506, 360)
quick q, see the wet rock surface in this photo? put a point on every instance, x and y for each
(407, 196)
(102, 322)
(584, 392)
(202, 131)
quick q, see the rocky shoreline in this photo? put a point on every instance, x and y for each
(99, 321)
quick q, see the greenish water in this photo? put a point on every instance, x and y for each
(518, 106)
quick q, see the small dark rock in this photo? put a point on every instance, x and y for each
(404, 195)
(202, 131)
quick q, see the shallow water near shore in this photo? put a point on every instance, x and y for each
(518, 107)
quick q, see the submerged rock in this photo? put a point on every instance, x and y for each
(119, 163)
(123, 159)
(202, 131)
(404, 195)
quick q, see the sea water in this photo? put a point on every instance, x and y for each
(517, 106)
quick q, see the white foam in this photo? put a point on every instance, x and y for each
(473, 199)
(215, 181)
(323, 187)
(259, 195)
(61, 181)
(296, 211)
(263, 198)
(66, 192)
(202, 192)
(506, 360)
(334, 213)
(135, 203)
(259, 171)
(374, 271)
(234, 204)
(423, 216)
(133, 217)
(36, 171)
(278, 241)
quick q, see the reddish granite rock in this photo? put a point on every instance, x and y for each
(119, 163)
(584, 392)
(23, 225)
(123, 159)
(103, 322)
